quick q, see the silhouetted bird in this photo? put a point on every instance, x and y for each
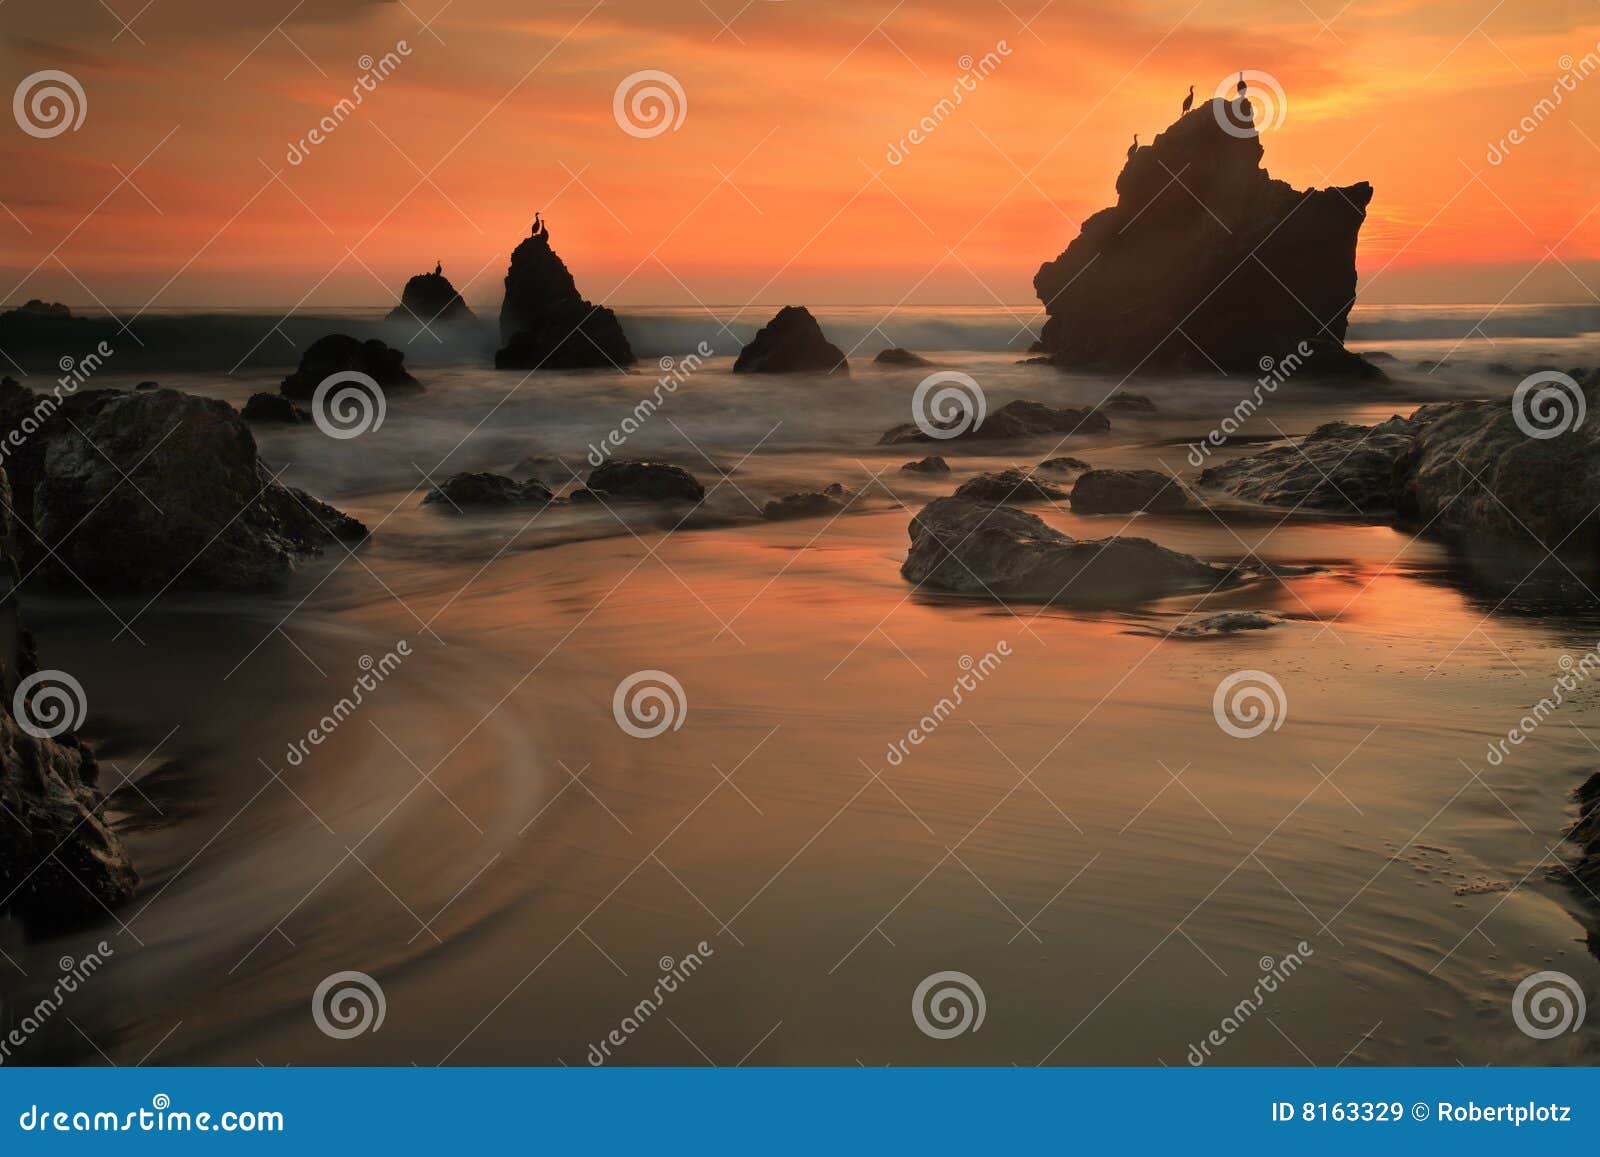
(539, 229)
(1241, 85)
(438, 268)
(1188, 101)
(1133, 148)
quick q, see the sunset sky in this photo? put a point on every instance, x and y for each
(776, 187)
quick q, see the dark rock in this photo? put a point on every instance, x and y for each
(1338, 467)
(1224, 624)
(1019, 419)
(1037, 347)
(930, 465)
(899, 357)
(1380, 356)
(60, 862)
(271, 408)
(1064, 465)
(1219, 267)
(1127, 491)
(791, 343)
(429, 298)
(979, 549)
(1008, 486)
(148, 386)
(462, 491)
(1039, 361)
(810, 504)
(340, 353)
(630, 480)
(546, 323)
(1129, 403)
(150, 489)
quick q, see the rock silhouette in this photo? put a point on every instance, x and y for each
(338, 353)
(545, 322)
(146, 489)
(791, 343)
(430, 298)
(60, 863)
(1018, 419)
(1206, 262)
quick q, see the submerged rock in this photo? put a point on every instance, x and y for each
(1127, 492)
(339, 353)
(1008, 486)
(987, 550)
(150, 489)
(636, 480)
(271, 408)
(1224, 624)
(809, 504)
(1219, 267)
(1338, 467)
(545, 323)
(60, 862)
(1129, 403)
(1066, 465)
(429, 298)
(898, 357)
(466, 490)
(1019, 419)
(791, 343)
(933, 464)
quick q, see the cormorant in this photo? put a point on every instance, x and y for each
(1241, 85)
(1133, 148)
(438, 268)
(1188, 101)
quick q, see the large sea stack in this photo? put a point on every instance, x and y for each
(545, 322)
(1206, 262)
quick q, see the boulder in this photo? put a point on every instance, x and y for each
(1127, 491)
(987, 550)
(930, 465)
(1067, 465)
(1008, 486)
(1205, 262)
(809, 504)
(545, 323)
(339, 353)
(634, 480)
(791, 343)
(429, 298)
(1019, 419)
(148, 386)
(1338, 467)
(899, 357)
(1129, 403)
(1225, 624)
(466, 490)
(139, 491)
(269, 409)
(60, 862)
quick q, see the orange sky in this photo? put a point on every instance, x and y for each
(504, 107)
